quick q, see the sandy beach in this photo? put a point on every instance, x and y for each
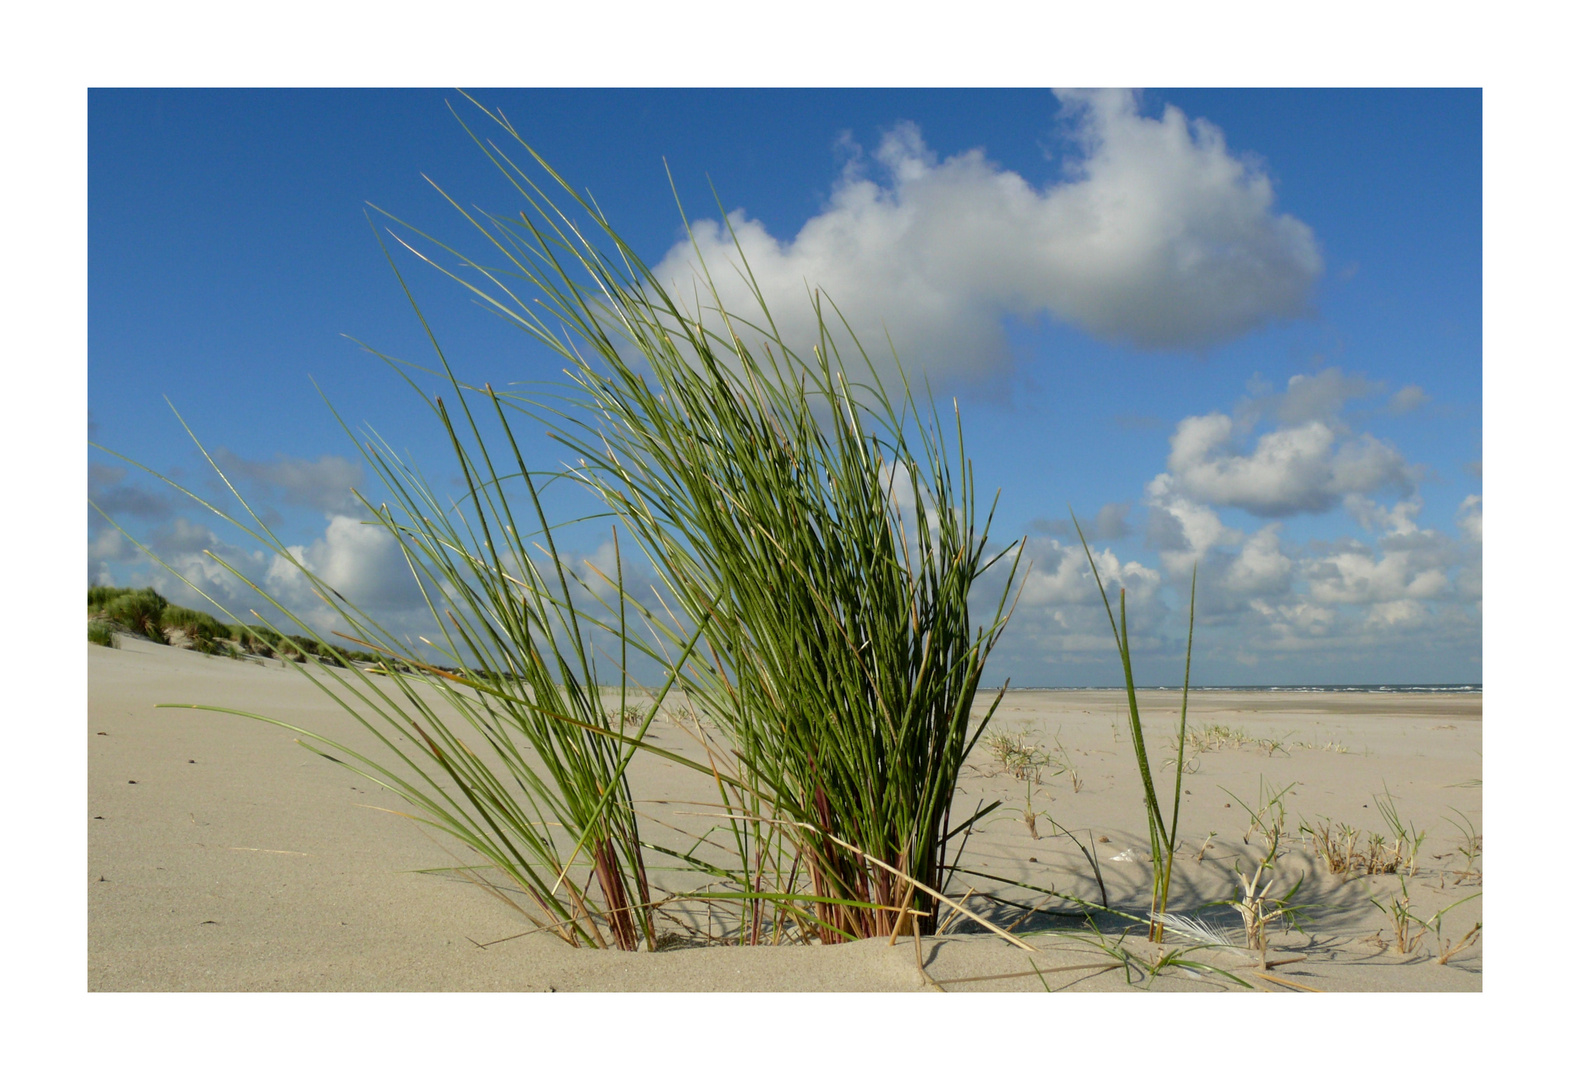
(223, 856)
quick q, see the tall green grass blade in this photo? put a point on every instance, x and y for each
(1163, 839)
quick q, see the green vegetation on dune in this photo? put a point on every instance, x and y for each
(146, 613)
(140, 611)
(195, 624)
(99, 595)
(101, 633)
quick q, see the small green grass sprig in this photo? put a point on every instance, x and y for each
(1252, 898)
(1163, 836)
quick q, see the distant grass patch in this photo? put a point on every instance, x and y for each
(1020, 759)
(1217, 737)
(139, 611)
(197, 625)
(264, 641)
(147, 613)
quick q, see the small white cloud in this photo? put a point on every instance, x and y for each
(110, 545)
(1059, 613)
(1398, 520)
(104, 547)
(324, 484)
(1408, 398)
(1059, 574)
(1469, 518)
(1296, 617)
(1307, 462)
(1295, 470)
(1109, 523)
(1357, 576)
(1396, 614)
(1180, 528)
(1260, 568)
(1312, 397)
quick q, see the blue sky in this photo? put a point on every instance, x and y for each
(1242, 327)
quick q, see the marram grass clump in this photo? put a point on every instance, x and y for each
(139, 611)
(815, 523)
(194, 624)
(815, 544)
(100, 632)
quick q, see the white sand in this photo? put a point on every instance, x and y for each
(239, 861)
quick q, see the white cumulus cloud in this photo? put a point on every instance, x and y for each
(325, 484)
(1412, 564)
(1158, 237)
(1260, 568)
(1469, 518)
(1180, 528)
(362, 561)
(1408, 398)
(1295, 617)
(1310, 462)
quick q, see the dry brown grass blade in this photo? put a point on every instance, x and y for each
(921, 959)
(1449, 952)
(1283, 960)
(948, 920)
(902, 921)
(1284, 982)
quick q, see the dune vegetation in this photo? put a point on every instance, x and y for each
(145, 613)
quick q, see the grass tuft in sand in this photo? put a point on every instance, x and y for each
(815, 549)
